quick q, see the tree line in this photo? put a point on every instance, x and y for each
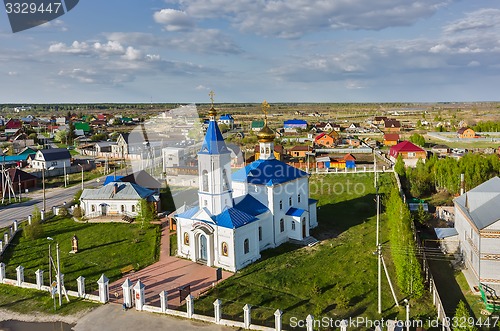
(436, 174)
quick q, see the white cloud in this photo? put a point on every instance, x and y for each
(111, 47)
(294, 18)
(12, 73)
(173, 20)
(132, 54)
(478, 20)
(201, 88)
(57, 25)
(75, 48)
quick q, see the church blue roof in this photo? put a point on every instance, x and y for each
(295, 212)
(233, 218)
(268, 172)
(213, 142)
(312, 201)
(189, 213)
(250, 205)
(110, 179)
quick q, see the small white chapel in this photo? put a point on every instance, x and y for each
(260, 206)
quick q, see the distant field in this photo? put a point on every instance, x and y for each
(335, 279)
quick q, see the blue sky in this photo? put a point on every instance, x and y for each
(251, 50)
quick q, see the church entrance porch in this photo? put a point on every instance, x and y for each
(204, 247)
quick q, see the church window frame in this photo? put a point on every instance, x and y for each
(224, 249)
(298, 198)
(293, 225)
(204, 179)
(92, 208)
(289, 201)
(133, 208)
(225, 181)
(282, 225)
(246, 246)
(186, 238)
(281, 204)
(260, 233)
(122, 208)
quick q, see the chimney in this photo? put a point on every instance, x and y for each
(115, 188)
(462, 184)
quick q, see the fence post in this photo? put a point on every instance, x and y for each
(81, 286)
(39, 279)
(1, 246)
(2, 272)
(343, 325)
(139, 295)
(6, 238)
(247, 315)
(103, 283)
(217, 310)
(127, 293)
(164, 301)
(277, 320)
(190, 306)
(30, 218)
(20, 275)
(42, 215)
(14, 224)
(11, 233)
(309, 322)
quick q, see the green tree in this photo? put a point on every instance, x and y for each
(417, 139)
(35, 229)
(461, 320)
(61, 136)
(145, 212)
(399, 167)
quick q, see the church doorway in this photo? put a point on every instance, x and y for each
(104, 209)
(304, 233)
(203, 247)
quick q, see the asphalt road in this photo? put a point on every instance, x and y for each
(53, 197)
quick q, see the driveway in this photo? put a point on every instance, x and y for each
(169, 273)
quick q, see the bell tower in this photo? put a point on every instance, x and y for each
(214, 167)
(266, 137)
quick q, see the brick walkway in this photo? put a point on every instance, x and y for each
(169, 273)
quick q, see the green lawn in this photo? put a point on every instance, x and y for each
(337, 278)
(104, 248)
(74, 178)
(32, 301)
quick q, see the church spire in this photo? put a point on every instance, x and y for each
(212, 113)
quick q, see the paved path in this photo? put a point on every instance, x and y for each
(169, 273)
(112, 318)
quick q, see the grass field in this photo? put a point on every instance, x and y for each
(103, 248)
(336, 279)
(32, 301)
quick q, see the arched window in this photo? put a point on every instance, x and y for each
(186, 238)
(281, 204)
(267, 150)
(225, 182)
(133, 208)
(293, 225)
(225, 249)
(260, 233)
(246, 246)
(92, 208)
(205, 181)
(282, 225)
(122, 208)
(262, 150)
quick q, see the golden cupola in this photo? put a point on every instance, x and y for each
(266, 135)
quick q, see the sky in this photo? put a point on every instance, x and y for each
(253, 50)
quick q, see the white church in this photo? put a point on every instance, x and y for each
(258, 207)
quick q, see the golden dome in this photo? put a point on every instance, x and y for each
(212, 112)
(266, 135)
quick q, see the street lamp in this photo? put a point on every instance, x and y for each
(58, 270)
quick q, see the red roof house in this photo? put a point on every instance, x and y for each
(410, 153)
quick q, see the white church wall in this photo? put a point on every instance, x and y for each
(225, 235)
(266, 223)
(248, 232)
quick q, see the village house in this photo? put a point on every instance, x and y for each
(477, 222)
(392, 126)
(379, 120)
(466, 133)
(300, 151)
(51, 158)
(116, 199)
(227, 119)
(327, 139)
(410, 153)
(440, 150)
(257, 125)
(294, 125)
(391, 139)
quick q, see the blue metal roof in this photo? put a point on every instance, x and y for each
(233, 218)
(295, 122)
(250, 205)
(110, 179)
(295, 212)
(13, 158)
(189, 213)
(312, 201)
(268, 172)
(214, 142)
(226, 117)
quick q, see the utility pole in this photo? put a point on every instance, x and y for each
(379, 254)
(43, 186)
(65, 179)
(59, 290)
